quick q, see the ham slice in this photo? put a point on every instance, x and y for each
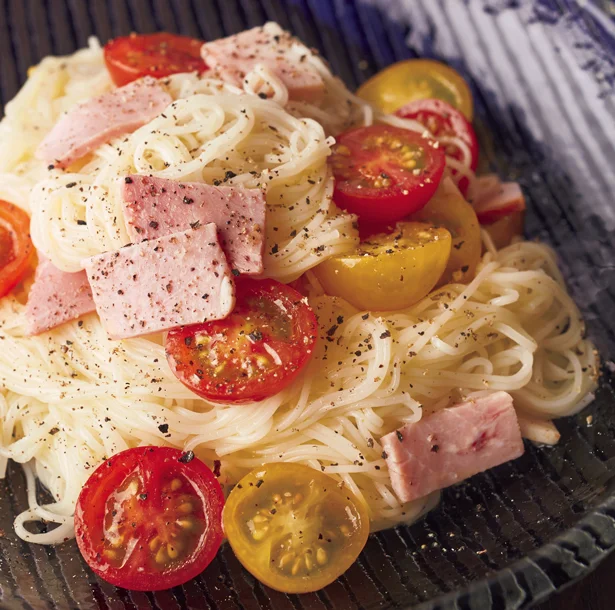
(56, 297)
(102, 118)
(234, 57)
(154, 207)
(163, 283)
(452, 445)
(493, 199)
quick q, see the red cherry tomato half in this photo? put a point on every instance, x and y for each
(384, 173)
(150, 518)
(131, 57)
(254, 353)
(16, 248)
(443, 120)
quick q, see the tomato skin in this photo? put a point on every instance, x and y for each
(16, 248)
(443, 120)
(131, 57)
(504, 229)
(269, 318)
(151, 466)
(390, 271)
(449, 209)
(315, 523)
(414, 79)
(383, 173)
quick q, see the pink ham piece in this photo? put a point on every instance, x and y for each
(102, 118)
(56, 297)
(163, 283)
(493, 199)
(234, 57)
(154, 207)
(452, 445)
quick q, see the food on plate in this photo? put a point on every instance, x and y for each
(293, 527)
(417, 79)
(16, 249)
(129, 58)
(253, 353)
(149, 518)
(256, 287)
(389, 271)
(383, 173)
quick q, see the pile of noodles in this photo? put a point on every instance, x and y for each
(71, 397)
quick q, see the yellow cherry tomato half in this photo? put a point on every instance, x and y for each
(417, 79)
(448, 209)
(389, 271)
(293, 527)
(503, 230)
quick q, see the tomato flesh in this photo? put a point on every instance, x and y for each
(16, 248)
(131, 57)
(384, 173)
(254, 353)
(389, 271)
(149, 518)
(445, 121)
(293, 527)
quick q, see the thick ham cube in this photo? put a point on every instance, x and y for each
(493, 199)
(102, 118)
(234, 57)
(154, 207)
(163, 283)
(56, 297)
(452, 445)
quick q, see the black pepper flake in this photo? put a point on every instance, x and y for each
(465, 268)
(256, 335)
(262, 95)
(332, 330)
(81, 223)
(435, 448)
(385, 455)
(457, 246)
(274, 249)
(400, 436)
(54, 430)
(235, 272)
(186, 457)
(365, 316)
(385, 334)
(370, 442)
(340, 319)
(216, 470)
(127, 179)
(164, 428)
(188, 341)
(195, 225)
(187, 200)
(228, 175)
(143, 496)
(153, 224)
(70, 185)
(50, 167)
(259, 482)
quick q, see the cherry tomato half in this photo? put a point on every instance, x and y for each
(384, 173)
(417, 79)
(149, 518)
(450, 210)
(389, 271)
(293, 527)
(16, 248)
(445, 121)
(254, 353)
(131, 57)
